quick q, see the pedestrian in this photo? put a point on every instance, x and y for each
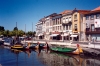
(92, 39)
(96, 39)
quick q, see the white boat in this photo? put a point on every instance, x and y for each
(1, 41)
(8, 42)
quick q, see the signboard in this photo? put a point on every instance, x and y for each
(97, 23)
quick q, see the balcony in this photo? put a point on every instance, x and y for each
(67, 22)
(75, 30)
(92, 31)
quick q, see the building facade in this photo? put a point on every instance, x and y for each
(56, 27)
(39, 30)
(49, 25)
(92, 25)
(77, 24)
(67, 24)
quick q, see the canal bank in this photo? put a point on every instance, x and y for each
(89, 48)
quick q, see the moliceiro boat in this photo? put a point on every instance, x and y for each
(17, 46)
(34, 46)
(44, 46)
(76, 51)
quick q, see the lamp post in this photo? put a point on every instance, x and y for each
(16, 29)
(62, 34)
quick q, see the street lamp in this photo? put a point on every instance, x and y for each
(63, 36)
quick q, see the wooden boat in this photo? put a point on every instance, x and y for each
(34, 46)
(37, 46)
(46, 46)
(17, 46)
(26, 46)
(68, 50)
(43, 46)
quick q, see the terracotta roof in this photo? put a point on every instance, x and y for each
(98, 8)
(93, 12)
(65, 12)
(83, 11)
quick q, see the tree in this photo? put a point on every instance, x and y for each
(34, 34)
(15, 28)
(20, 33)
(29, 33)
(6, 33)
(2, 28)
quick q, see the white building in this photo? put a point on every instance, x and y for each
(39, 32)
(67, 24)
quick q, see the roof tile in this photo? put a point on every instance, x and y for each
(98, 8)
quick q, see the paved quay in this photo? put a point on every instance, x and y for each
(67, 43)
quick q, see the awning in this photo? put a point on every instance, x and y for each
(40, 34)
(54, 34)
(73, 35)
(64, 34)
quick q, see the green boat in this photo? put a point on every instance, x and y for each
(78, 50)
(60, 49)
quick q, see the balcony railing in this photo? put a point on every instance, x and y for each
(89, 31)
(66, 22)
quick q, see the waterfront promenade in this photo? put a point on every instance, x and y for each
(64, 43)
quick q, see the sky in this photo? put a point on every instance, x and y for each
(31, 11)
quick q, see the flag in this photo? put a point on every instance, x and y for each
(97, 23)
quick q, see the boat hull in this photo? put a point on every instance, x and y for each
(66, 50)
(20, 47)
(17, 48)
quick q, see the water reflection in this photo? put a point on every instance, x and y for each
(19, 58)
(58, 59)
(43, 57)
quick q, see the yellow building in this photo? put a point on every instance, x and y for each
(77, 24)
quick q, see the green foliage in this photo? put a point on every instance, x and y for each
(15, 32)
(2, 28)
(30, 33)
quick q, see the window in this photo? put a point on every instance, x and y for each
(92, 16)
(75, 27)
(63, 18)
(58, 27)
(69, 18)
(66, 19)
(87, 17)
(75, 16)
(92, 27)
(97, 16)
(75, 20)
(58, 20)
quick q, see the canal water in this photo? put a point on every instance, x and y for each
(43, 57)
